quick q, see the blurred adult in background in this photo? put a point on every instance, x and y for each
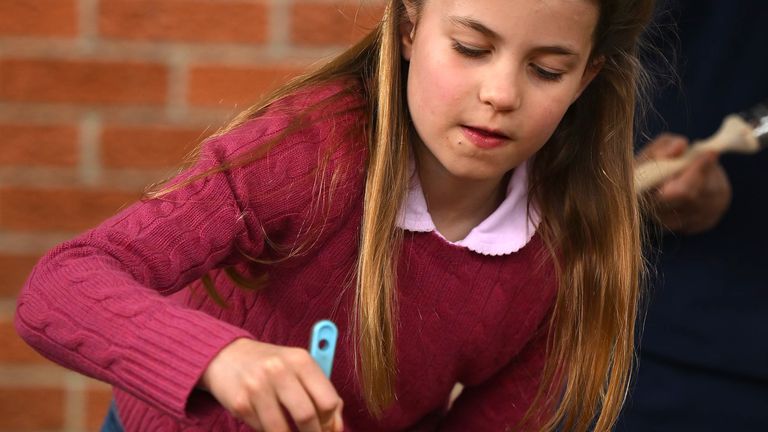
(704, 353)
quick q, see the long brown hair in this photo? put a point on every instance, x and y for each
(581, 182)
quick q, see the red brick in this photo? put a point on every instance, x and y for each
(38, 18)
(339, 22)
(38, 145)
(15, 350)
(15, 269)
(58, 209)
(184, 20)
(84, 81)
(228, 86)
(31, 409)
(97, 399)
(147, 147)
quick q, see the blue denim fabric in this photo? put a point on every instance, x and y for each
(112, 421)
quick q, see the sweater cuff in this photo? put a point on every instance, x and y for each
(169, 367)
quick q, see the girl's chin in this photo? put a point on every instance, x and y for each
(478, 174)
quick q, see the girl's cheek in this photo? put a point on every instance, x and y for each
(446, 79)
(554, 112)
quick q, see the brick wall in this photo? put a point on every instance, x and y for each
(98, 99)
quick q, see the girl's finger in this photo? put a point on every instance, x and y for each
(323, 394)
(338, 422)
(242, 409)
(252, 420)
(268, 410)
(297, 402)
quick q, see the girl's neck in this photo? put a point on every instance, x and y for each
(456, 204)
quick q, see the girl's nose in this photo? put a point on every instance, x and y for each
(502, 91)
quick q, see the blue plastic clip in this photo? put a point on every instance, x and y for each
(323, 344)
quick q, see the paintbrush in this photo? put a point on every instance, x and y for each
(746, 132)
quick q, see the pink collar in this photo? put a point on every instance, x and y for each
(505, 231)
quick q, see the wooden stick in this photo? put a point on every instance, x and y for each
(734, 135)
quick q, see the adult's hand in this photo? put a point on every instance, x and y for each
(695, 199)
(255, 381)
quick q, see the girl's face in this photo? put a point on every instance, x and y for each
(489, 80)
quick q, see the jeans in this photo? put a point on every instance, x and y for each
(112, 421)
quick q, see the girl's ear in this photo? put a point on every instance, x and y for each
(590, 72)
(408, 29)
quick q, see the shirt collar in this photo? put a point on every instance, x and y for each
(506, 230)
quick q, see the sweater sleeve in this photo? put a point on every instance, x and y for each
(501, 402)
(97, 304)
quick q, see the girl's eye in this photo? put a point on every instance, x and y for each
(546, 74)
(467, 51)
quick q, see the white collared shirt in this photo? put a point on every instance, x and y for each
(505, 231)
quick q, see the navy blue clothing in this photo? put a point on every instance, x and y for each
(704, 351)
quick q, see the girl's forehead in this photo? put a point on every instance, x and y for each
(501, 10)
(567, 21)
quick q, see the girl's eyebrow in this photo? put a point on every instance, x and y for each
(474, 25)
(477, 26)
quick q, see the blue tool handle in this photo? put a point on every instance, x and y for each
(322, 344)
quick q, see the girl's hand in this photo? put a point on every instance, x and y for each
(255, 381)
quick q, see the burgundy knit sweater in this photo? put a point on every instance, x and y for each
(123, 302)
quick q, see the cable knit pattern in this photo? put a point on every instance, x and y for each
(111, 304)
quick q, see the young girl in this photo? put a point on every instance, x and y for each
(455, 192)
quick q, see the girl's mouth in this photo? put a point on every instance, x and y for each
(484, 138)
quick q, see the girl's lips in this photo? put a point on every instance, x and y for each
(483, 138)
